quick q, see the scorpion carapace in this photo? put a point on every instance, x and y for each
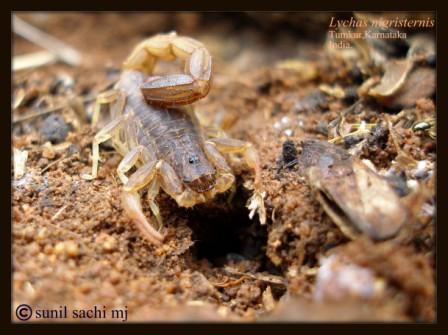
(155, 129)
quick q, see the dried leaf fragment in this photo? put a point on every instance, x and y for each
(20, 158)
(403, 83)
(268, 299)
(305, 70)
(356, 198)
(421, 83)
(394, 77)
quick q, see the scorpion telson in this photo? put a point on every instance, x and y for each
(154, 128)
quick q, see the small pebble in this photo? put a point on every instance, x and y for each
(289, 152)
(107, 242)
(48, 249)
(421, 171)
(72, 249)
(288, 132)
(33, 248)
(114, 277)
(28, 233)
(249, 293)
(412, 184)
(223, 311)
(54, 129)
(285, 120)
(338, 279)
(48, 152)
(68, 248)
(85, 288)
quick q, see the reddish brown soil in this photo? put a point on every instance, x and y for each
(73, 245)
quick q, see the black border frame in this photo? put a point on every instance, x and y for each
(243, 328)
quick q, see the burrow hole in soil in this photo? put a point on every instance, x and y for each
(223, 232)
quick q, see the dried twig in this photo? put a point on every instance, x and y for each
(54, 217)
(59, 108)
(31, 60)
(36, 114)
(258, 276)
(60, 49)
(54, 163)
(228, 283)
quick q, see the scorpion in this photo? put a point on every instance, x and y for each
(155, 129)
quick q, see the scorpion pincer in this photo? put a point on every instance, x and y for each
(156, 130)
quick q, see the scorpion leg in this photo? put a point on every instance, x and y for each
(103, 135)
(128, 161)
(142, 177)
(175, 89)
(145, 175)
(233, 146)
(213, 132)
(115, 98)
(153, 190)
